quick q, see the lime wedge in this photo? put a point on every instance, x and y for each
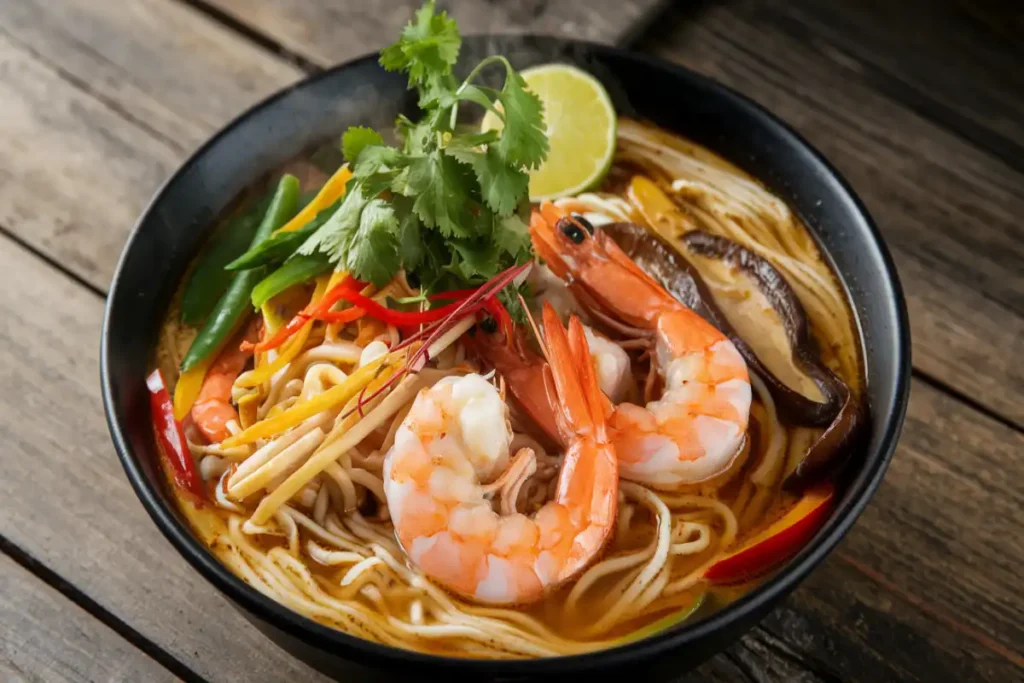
(580, 126)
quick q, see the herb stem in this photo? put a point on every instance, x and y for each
(484, 63)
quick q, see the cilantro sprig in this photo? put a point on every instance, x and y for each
(447, 205)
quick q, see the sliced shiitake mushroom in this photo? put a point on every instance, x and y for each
(805, 391)
(746, 298)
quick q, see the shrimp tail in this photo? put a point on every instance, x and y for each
(588, 481)
(570, 374)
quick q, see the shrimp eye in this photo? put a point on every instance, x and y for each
(571, 228)
(580, 220)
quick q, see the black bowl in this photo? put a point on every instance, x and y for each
(172, 228)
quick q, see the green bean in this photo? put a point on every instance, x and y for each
(231, 309)
(210, 280)
(295, 270)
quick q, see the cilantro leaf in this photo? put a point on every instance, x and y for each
(449, 207)
(428, 48)
(523, 140)
(410, 239)
(377, 159)
(473, 259)
(372, 254)
(502, 184)
(437, 92)
(356, 139)
(334, 236)
(512, 237)
(441, 190)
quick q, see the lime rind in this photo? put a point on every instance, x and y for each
(602, 164)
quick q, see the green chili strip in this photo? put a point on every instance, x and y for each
(209, 280)
(281, 245)
(233, 305)
(295, 270)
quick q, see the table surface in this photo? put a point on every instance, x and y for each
(920, 104)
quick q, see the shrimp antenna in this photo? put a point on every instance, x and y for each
(533, 326)
(428, 335)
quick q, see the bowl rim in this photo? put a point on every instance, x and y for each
(369, 652)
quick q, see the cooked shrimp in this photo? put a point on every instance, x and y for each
(524, 372)
(456, 439)
(611, 363)
(698, 425)
(212, 411)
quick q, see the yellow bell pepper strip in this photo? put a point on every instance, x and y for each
(190, 383)
(332, 190)
(333, 397)
(271, 320)
(293, 347)
(657, 208)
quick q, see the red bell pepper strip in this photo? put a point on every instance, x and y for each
(312, 311)
(454, 294)
(171, 438)
(777, 543)
(387, 315)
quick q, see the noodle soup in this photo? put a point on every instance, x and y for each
(329, 551)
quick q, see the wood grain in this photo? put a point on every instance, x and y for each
(66, 501)
(948, 210)
(46, 637)
(945, 525)
(949, 61)
(161, 64)
(101, 101)
(327, 33)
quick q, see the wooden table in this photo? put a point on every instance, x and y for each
(920, 104)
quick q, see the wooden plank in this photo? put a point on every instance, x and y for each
(46, 637)
(842, 626)
(326, 32)
(163, 65)
(67, 503)
(114, 525)
(101, 102)
(958, 63)
(941, 531)
(949, 211)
